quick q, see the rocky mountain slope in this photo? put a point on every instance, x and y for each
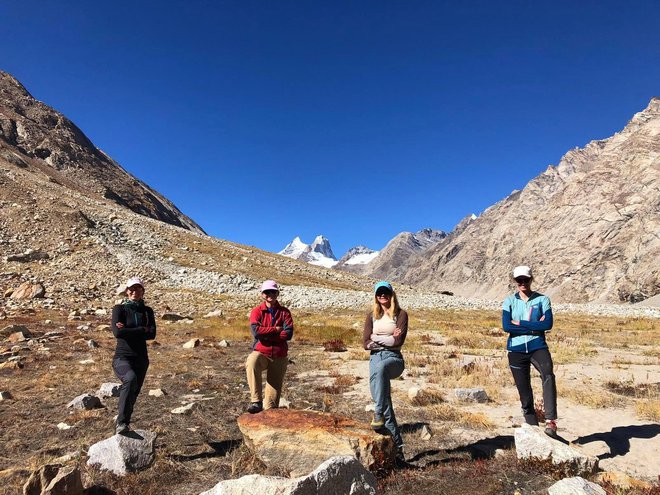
(589, 226)
(35, 135)
(392, 260)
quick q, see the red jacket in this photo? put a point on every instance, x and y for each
(268, 339)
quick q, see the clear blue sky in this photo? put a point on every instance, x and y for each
(354, 119)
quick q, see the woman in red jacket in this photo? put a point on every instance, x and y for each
(272, 327)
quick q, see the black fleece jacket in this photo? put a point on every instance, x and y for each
(139, 326)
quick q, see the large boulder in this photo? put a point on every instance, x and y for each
(132, 451)
(298, 441)
(54, 480)
(532, 443)
(336, 475)
(575, 486)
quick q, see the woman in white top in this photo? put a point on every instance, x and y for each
(385, 331)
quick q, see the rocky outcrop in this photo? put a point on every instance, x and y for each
(588, 227)
(32, 134)
(132, 451)
(334, 476)
(298, 441)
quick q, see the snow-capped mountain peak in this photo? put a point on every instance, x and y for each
(318, 253)
(294, 249)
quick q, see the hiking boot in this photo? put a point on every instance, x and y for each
(400, 459)
(377, 423)
(551, 428)
(255, 407)
(122, 428)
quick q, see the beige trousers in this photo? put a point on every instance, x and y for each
(275, 370)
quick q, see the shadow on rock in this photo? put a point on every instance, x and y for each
(618, 438)
(220, 449)
(485, 448)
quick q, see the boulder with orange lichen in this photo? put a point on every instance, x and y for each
(298, 441)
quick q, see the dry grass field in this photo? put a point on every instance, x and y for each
(608, 374)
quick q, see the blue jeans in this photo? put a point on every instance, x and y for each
(383, 367)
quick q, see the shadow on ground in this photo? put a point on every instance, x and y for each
(618, 438)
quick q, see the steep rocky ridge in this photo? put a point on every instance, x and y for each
(34, 135)
(392, 260)
(590, 227)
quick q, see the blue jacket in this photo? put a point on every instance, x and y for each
(530, 335)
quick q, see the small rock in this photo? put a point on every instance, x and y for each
(157, 392)
(5, 395)
(52, 479)
(223, 343)
(28, 290)
(92, 344)
(191, 344)
(187, 409)
(109, 389)
(426, 433)
(214, 314)
(85, 401)
(63, 426)
(370, 407)
(86, 361)
(471, 394)
(9, 365)
(6, 331)
(285, 403)
(18, 337)
(575, 486)
(172, 317)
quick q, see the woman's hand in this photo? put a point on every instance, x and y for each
(397, 332)
(119, 325)
(515, 322)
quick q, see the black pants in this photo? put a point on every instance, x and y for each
(131, 372)
(519, 362)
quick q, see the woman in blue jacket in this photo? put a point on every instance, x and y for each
(526, 317)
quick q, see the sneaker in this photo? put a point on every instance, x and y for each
(122, 428)
(551, 428)
(377, 423)
(255, 407)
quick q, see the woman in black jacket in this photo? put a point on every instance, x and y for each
(133, 324)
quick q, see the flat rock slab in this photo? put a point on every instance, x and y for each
(575, 486)
(532, 443)
(132, 451)
(298, 441)
(337, 475)
(471, 394)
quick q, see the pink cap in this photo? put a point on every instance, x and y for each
(269, 285)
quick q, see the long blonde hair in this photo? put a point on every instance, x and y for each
(393, 310)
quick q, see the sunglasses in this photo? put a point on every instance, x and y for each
(523, 280)
(270, 292)
(134, 288)
(384, 294)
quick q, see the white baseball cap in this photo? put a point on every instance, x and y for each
(522, 271)
(130, 283)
